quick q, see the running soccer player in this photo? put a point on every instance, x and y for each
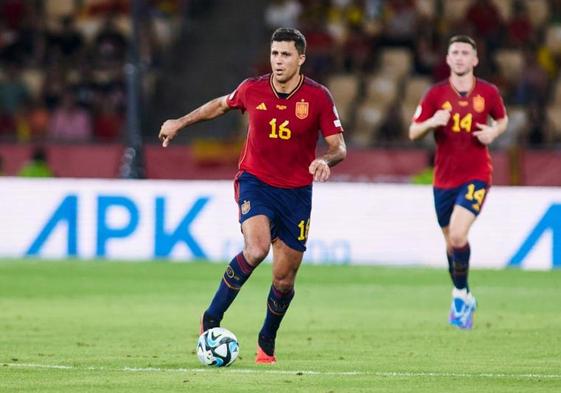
(457, 112)
(277, 168)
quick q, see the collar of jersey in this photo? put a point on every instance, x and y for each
(291, 93)
(468, 93)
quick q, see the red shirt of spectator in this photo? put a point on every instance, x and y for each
(485, 17)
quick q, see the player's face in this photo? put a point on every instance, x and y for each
(285, 60)
(461, 58)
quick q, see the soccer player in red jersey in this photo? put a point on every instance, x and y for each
(277, 168)
(456, 111)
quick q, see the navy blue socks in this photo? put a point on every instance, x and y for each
(236, 274)
(460, 266)
(277, 304)
(450, 259)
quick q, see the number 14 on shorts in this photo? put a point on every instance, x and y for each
(475, 195)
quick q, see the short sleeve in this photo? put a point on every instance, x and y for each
(330, 124)
(236, 99)
(497, 110)
(426, 107)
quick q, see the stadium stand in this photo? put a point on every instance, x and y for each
(377, 58)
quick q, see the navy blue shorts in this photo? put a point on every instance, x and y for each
(470, 195)
(288, 209)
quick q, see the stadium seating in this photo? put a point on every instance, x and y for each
(344, 88)
(538, 11)
(395, 63)
(510, 63)
(557, 93)
(504, 7)
(455, 10)
(415, 88)
(89, 27)
(380, 90)
(553, 114)
(518, 123)
(33, 79)
(426, 8)
(56, 9)
(366, 91)
(369, 117)
(553, 39)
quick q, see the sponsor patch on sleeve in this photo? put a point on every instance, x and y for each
(335, 112)
(418, 112)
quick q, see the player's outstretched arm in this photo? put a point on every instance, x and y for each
(336, 152)
(488, 133)
(210, 110)
(419, 130)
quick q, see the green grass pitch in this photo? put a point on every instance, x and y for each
(132, 327)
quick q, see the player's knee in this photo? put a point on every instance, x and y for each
(283, 283)
(283, 280)
(256, 253)
(457, 239)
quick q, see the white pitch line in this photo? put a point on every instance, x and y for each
(387, 374)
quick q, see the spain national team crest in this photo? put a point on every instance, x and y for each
(302, 109)
(246, 206)
(478, 103)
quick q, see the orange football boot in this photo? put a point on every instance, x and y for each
(263, 358)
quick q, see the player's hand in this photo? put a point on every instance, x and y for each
(486, 133)
(319, 169)
(441, 117)
(168, 131)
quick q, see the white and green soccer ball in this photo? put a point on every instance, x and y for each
(217, 347)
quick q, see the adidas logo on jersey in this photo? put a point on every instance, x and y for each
(261, 107)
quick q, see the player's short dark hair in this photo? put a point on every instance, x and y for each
(466, 39)
(288, 34)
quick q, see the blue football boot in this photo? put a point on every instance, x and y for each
(462, 308)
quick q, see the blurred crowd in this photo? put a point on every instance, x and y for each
(62, 65)
(63, 62)
(378, 57)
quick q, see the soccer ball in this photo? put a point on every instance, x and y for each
(217, 347)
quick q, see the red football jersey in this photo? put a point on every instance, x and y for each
(283, 132)
(460, 157)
